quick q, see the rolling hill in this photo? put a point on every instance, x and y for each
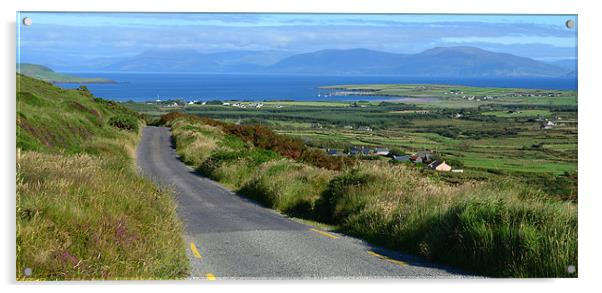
(46, 74)
(83, 211)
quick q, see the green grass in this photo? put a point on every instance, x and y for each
(502, 228)
(496, 230)
(501, 131)
(83, 211)
(522, 113)
(452, 96)
(289, 187)
(75, 222)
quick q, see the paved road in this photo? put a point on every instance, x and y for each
(230, 237)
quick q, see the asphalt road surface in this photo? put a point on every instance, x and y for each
(230, 237)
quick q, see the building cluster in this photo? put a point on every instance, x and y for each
(548, 124)
(365, 151)
(243, 106)
(423, 157)
(478, 98)
(544, 94)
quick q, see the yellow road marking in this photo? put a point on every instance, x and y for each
(397, 262)
(324, 233)
(195, 251)
(210, 277)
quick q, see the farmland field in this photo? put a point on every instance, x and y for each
(487, 132)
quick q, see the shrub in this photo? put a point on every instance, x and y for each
(396, 152)
(320, 159)
(455, 163)
(288, 187)
(339, 201)
(124, 122)
(235, 167)
(169, 117)
(263, 137)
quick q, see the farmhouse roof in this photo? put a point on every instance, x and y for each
(435, 164)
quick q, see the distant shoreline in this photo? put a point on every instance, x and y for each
(84, 81)
(47, 74)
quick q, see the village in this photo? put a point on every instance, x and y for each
(428, 158)
(478, 98)
(180, 102)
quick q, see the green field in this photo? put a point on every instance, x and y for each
(470, 94)
(522, 113)
(500, 134)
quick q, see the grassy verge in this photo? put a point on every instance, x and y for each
(499, 229)
(83, 211)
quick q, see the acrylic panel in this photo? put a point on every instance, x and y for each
(216, 146)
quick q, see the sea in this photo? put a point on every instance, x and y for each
(142, 87)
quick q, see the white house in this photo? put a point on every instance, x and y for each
(440, 166)
(381, 151)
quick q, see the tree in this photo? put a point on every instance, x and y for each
(396, 152)
(214, 102)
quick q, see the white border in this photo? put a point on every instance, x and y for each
(590, 98)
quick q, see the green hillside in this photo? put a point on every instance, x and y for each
(44, 73)
(83, 211)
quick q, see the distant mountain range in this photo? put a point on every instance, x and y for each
(448, 61)
(570, 64)
(436, 62)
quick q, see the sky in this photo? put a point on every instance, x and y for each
(77, 37)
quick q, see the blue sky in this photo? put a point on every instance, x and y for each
(76, 37)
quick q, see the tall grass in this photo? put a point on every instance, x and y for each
(485, 228)
(83, 211)
(194, 143)
(76, 220)
(289, 187)
(501, 229)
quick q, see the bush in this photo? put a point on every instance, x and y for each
(321, 159)
(169, 117)
(339, 201)
(124, 122)
(214, 102)
(396, 152)
(455, 163)
(289, 187)
(263, 137)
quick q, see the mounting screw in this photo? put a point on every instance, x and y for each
(571, 269)
(27, 21)
(570, 23)
(27, 272)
